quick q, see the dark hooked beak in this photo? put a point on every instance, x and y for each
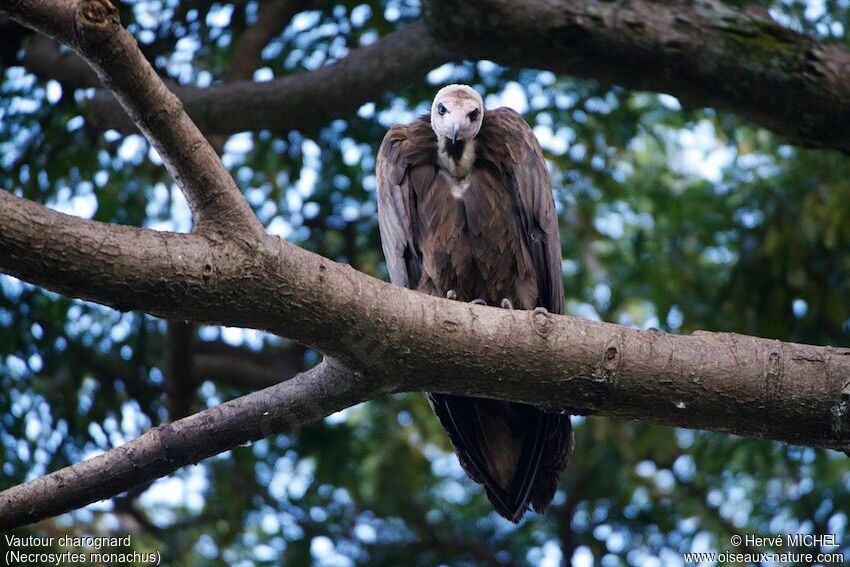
(455, 128)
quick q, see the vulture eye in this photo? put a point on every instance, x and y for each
(473, 115)
(441, 109)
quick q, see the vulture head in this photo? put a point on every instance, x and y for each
(457, 112)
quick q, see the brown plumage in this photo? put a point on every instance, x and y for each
(475, 219)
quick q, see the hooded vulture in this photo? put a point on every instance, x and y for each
(466, 212)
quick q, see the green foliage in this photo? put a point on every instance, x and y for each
(677, 219)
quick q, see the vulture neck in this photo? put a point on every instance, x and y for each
(458, 158)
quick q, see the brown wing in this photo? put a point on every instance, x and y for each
(508, 143)
(405, 160)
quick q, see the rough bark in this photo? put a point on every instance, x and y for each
(704, 52)
(383, 338)
(92, 28)
(412, 341)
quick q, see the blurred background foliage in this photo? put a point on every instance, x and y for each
(679, 219)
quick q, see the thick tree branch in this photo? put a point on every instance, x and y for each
(781, 80)
(706, 53)
(395, 340)
(302, 100)
(92, 28)
(724, 382)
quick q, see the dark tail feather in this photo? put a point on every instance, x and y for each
(528, 464)
(543, 441)
(559, 449)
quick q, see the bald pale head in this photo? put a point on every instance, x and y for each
(457, 112)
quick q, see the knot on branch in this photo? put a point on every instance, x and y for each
(208, 268)
(608, 368)
(611, 361)
(96, 21)
(773, 371)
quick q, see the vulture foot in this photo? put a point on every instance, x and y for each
(506, 303)
(452, 294)
(540, 311)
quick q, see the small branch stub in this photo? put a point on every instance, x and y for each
(96, 21)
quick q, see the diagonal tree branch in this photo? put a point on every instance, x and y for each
(181, 365)
(302, 100)
(92, 28)
(307, 397)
